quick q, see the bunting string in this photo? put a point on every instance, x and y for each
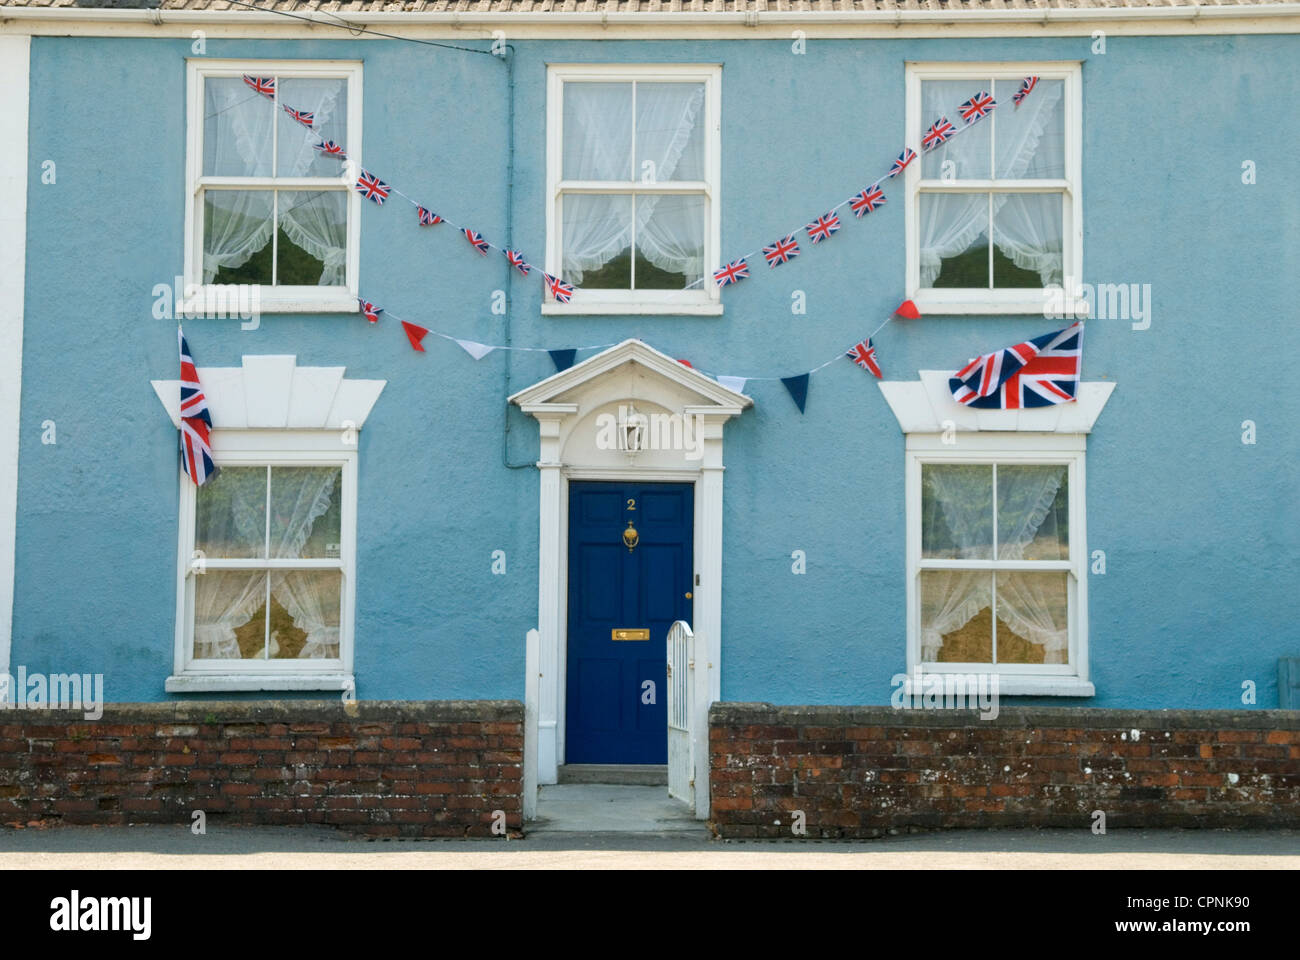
(868, 199)
(862, 353)
(781, 251)
(416, 332)
(370, 186)
(819, 367)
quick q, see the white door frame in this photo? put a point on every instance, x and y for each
(565, 407)
(631, 475)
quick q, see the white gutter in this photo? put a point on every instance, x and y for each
(774, 18)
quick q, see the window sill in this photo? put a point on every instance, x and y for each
(1074, 308)
(255, 304)
(1022, 685)
(595, 308)
(214, 682)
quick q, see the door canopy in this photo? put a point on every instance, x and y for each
(630, 407)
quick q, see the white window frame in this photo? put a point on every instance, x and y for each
(259, 448)
(1068, 679)
(1010, 300)
(273, 299)
(704, 299)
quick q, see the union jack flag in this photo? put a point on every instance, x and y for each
(904, 158)
(781, 252)
(864, 355)
(517, 261)
(561, 291)
(733, 272)
(263, 85)
(939, 131)
(1037, 373)
(980, 105)
(370, 310)
(823, 227)
(196, 421)
(331, 149)
(867, 200)
(427, 217)
(1026, 87)
(304, 117)
(476, 241)
(372, 188)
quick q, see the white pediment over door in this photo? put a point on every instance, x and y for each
(627, 386)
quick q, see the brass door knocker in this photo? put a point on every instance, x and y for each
(630, 537)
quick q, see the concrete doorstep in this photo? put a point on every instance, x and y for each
(644, 774)
(612, 808)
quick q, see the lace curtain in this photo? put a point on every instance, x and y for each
(299, 497)
(1032, 525)
(237, 142)
(1030, 144)
(224, 600)
(950, 599)
(598, 145)
(231, 524)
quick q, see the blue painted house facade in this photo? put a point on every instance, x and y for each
(391, 523)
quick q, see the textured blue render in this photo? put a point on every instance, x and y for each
(1199, 530)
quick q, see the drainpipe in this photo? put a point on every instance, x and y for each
(510, 270)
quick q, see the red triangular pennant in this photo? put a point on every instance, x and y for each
(907, 311)
(415, 334)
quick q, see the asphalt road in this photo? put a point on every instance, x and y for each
(244, 848)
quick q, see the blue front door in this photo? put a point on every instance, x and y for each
(616, 709)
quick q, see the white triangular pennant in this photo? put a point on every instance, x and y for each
(476, 350)
(733, 383)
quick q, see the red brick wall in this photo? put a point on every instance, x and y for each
(392, 769)
(863, 771)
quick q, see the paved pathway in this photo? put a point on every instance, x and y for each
(319, 848)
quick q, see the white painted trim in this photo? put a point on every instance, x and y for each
(712, 394)
(1069, 679)
(620, 473)
(272, 298)
(1019, 686)
(926, 406)
(272, 392)
(589, 307)
(1002, 303)
(1030, 21)
(559, 404)
(211, 675)
(229, 682)
(532, 683)
(704, 301)
(15, 61)
(953, 302)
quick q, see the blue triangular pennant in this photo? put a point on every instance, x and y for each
(563, 358)
(798, 387)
